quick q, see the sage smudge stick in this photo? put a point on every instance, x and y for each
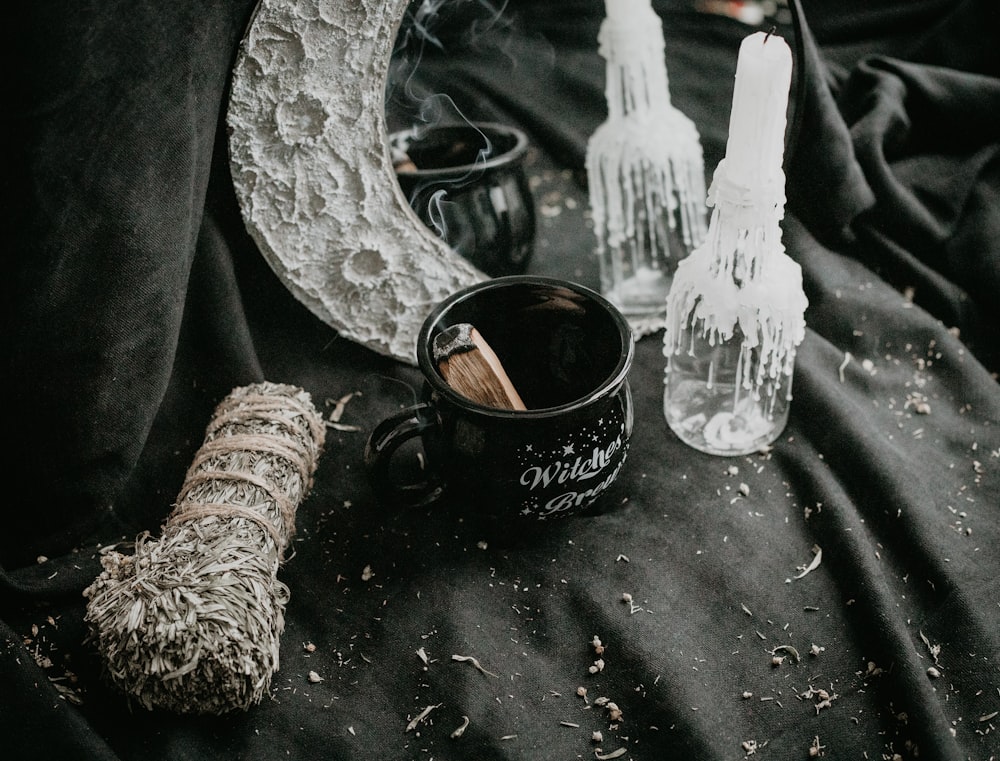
(191, 622)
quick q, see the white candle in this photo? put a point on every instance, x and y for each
(756, 143)
(628, 10)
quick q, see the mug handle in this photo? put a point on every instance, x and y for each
(387, 437)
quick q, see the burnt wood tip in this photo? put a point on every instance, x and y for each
(471, 367)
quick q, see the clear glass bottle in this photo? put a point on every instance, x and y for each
(735, 315)
(708, 405)
(645, 168)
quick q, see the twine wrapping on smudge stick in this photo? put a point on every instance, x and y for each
(191, 622)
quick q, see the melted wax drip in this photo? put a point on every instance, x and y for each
(636, 172)
(646, 158)
(741, 278)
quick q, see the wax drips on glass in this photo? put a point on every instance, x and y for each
(644, 165)
(641, 167)
(741, 279)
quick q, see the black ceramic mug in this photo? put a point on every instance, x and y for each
(567, 351)
(467, 183)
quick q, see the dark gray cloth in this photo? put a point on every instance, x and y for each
(136, 301)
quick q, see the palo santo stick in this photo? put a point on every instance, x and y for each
(472, 368)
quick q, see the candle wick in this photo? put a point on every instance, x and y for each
(771, 31)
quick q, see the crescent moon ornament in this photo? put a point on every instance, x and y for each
(308, 149)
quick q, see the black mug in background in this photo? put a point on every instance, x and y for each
(567, 351)
(467, 184)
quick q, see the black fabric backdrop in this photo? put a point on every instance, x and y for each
(137, 301)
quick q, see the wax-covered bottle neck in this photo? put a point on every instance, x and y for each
(631, 42)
